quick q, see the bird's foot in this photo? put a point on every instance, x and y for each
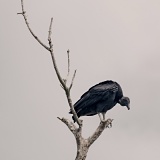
(109, 123)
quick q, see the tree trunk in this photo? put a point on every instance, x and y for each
(82, 149)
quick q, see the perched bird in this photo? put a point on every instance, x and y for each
(99, 99)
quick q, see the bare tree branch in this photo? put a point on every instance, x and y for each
(74, 75)
(70, 125)
(68, 57)
(52, 55)
(66, 89)
(79, 122)
(50, 49)
(99, 130)
(50, 31)
(26, 21)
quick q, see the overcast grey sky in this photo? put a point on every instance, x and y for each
(108, 39)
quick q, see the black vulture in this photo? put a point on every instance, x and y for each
(99, 99)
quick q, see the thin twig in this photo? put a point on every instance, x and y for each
(26, 21)
(52, 55)
(20, 13)
(72, 80)
(50, 30)
(68, 57)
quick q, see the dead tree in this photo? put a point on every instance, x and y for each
(82, 143)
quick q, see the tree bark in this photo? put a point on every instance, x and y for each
(82, 149)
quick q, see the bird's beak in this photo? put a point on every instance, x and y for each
(128, 106)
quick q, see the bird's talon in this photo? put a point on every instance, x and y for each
(109, 126)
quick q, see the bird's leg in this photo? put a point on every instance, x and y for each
(103, 114)
(100, 116)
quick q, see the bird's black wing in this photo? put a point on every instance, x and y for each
(96, 94)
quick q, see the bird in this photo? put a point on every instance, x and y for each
(99, 99)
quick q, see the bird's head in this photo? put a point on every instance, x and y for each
(125, 101)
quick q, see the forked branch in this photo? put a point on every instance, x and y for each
(83, 145)
(50, 49)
